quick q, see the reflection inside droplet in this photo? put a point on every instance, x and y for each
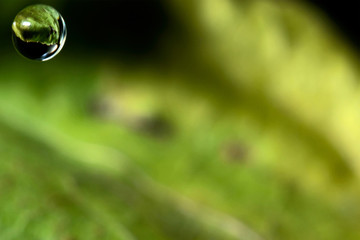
(39, 32)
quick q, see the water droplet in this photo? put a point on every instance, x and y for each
(39, 32)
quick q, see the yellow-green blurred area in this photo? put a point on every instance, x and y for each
(206, 120)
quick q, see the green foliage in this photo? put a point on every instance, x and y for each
(246, 130)
(41, 24)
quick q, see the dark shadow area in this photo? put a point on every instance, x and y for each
(345, 15)
(129, 28)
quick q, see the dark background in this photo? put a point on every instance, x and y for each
(130, 29)
(345, 15)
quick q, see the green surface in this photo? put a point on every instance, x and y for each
(37, 23)
(248, 129)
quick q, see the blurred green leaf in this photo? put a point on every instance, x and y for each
(246, 129)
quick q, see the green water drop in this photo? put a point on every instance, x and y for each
(39, 32)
